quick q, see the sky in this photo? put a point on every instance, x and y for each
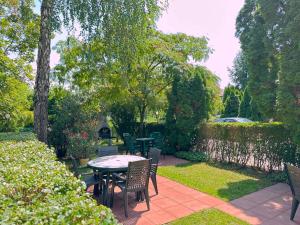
(214, 19)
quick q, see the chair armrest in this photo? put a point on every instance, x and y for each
(117, 177)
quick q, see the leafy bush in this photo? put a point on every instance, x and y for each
(82, 140)
(192, 156)
(261, 145)
(68, 114)
(37, 189)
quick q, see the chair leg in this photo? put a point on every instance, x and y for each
(125, 196)
(147, 198)
(153, 178)
(295, 205)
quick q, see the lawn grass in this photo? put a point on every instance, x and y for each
(209, 217)
(220, 180)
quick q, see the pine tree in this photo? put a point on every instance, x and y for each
(231, 106)
(245, 109)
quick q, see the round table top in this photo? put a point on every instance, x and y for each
(113, 162)
(145, 139)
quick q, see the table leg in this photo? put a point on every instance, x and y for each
(105, 195)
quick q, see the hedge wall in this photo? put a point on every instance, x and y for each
(37, 189)
(262, 145)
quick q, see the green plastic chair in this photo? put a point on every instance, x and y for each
(158, 141)
(130, 143)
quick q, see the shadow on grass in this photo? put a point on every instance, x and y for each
(239, 189)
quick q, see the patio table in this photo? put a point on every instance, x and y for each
(110, 164)
(144, 141)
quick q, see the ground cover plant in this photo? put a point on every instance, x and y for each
(223, 181)
(37, 189)
(208, 217)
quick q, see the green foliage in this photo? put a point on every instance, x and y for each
(188, 107)
(248, 109)
(231, 100)
(289, 78)
(143, 82)
(262, 145)
(18, 40)
(19, 35)
(71, 114)
(123, 118)
(260, 54)
(12, 136)
(208, 217)
(15, 104)
(37, 189)
(191, 156)
(239, 73)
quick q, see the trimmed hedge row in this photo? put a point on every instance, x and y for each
(262, 145)
(37, 189)
(21, 136)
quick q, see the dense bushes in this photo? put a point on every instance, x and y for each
(37, 189)
(192, 156)
(262, 145)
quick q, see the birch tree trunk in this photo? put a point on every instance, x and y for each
(42, 77)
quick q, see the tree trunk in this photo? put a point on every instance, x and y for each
(142, 121)
(42, 77)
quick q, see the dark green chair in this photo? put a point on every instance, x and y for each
(136, 180)
(294, 182)
(107, 151)
(158, 141)
(154, 156)
(130, 143)
(90, 179)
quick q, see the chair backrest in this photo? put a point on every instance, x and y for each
(107, 151)
(154, 155)
(294, 179)
(130, 144)
(158, 139)
(74, 166)
(138, 175)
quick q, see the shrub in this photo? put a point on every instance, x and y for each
(261, 145)
(192, 156)
(37, 189)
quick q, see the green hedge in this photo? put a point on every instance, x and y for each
(192, 156)
(261, 145)
(21, 136)
(37, 189)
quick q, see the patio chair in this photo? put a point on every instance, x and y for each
(158, 141)
(131, 145)
(90, 179)
(107, 151)
(154, 155)
(136, 180)
(294, 182)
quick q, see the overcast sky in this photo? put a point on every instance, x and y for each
(214, 19)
